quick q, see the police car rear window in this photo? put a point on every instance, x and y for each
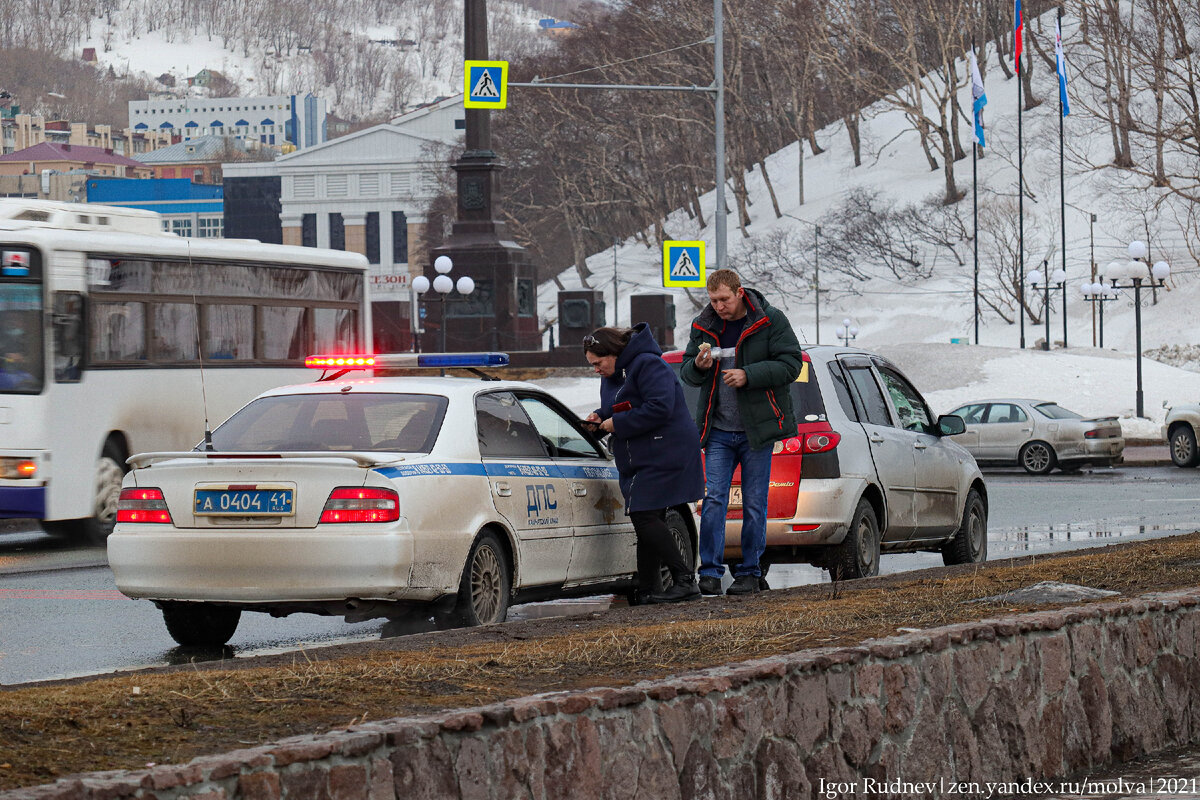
(402, 423)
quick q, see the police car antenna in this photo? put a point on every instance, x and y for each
(208, 442)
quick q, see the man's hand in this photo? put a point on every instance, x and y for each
(704, 358)
(734, 377)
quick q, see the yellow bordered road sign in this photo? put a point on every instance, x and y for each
(683, 264)
(485, 84)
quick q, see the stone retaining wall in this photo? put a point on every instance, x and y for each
(1047, 694)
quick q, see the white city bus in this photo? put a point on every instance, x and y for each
(107, 326)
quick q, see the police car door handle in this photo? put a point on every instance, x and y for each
(502, 489)
(579, 490)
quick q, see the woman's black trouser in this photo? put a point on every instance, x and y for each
(656, 545)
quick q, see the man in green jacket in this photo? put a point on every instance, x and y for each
(743, 355)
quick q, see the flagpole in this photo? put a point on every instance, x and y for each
(1062, 180)
(975, 208)
(1020, 181)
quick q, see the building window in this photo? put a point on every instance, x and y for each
(212, 227)
(337, 232)
(181, 227)
(399, 238)
(308, 230)
(372, 235)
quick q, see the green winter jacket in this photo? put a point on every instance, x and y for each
(769, 353)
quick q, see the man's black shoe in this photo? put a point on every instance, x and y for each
(710, 585)
(679, 591)
(744, 584)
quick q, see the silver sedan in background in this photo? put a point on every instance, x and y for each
(1037, 435)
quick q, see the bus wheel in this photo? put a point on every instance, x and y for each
(110, 471)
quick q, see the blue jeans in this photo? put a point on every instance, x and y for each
(725, 450)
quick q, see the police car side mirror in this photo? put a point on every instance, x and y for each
(951, 425)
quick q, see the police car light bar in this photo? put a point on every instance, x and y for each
(408, 361)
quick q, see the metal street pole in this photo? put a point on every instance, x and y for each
(1137, 322)
(817, 277)
(442, 297)
(719, 85)
(1063, 286)
(1046, 309)
(1092, 258)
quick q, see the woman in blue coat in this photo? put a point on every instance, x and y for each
(655, 444)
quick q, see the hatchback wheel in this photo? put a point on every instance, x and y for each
(483, 591)
(200, 624)
(969, 545)
(858, 554)
(1183, 446)
(1037, 458)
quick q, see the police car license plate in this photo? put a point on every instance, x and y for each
(239, 502)
(735, 497)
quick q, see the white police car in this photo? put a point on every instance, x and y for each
(377, 497)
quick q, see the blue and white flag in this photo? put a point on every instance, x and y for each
(978, 99)
(1061, 62)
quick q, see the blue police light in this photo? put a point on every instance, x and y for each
(449, 360)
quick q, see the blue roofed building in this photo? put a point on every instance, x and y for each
(188, 209)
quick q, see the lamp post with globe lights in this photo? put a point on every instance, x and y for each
(1133, 274)
(1056, 280)
(1098, 294)
(847, 332)
(443, 284)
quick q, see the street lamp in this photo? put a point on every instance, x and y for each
(1055, 280)
(1098, 294)
(1134, 273)
(847, 332)
(443, 284)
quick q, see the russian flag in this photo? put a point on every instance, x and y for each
(1018, 26)
(978, 98)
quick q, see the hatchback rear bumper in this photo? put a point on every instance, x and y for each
(291, 566)
(827, 503)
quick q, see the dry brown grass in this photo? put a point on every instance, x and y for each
(160, 716)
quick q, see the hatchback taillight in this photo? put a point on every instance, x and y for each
(143, 505)
(362, 504)
(821, 442)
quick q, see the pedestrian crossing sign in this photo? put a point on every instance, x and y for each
(683, 264)
(485, 84)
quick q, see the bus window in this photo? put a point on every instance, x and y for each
(175, 331)
(21, 366)
(68, 337)
(228, 332)
(118, 332)
(284, 333)
(336, 329)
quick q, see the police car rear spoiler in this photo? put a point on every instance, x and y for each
(141, 460)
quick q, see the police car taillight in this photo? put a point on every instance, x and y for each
(143, 505)
(361, 504)
(407, 361)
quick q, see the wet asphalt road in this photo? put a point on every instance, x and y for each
(61, 616)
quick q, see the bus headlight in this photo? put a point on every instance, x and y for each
(17, 467)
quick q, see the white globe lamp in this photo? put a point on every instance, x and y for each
(1137, 249)
(420, 284)
(1160, 271)
(443, 264)
(443, 284)
(465, 285)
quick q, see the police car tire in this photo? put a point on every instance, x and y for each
(483, 592)
(200, 624)
(683, 541)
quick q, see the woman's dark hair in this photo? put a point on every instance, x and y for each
(607, 341)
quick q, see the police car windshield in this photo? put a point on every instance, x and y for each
(20, 338)
(353, 421)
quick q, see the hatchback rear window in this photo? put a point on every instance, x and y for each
(404, 423)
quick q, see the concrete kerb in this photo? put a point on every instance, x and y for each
(1044, 694)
